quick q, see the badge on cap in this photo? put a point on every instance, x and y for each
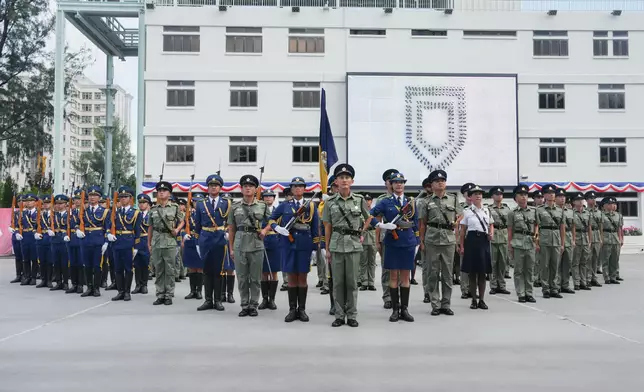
(439, 175)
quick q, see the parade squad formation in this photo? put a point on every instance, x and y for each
(560, 242)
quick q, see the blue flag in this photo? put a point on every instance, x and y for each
(328, 155)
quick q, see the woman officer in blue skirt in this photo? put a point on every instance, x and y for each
(272, 258)
(191, 259)
(400, 242)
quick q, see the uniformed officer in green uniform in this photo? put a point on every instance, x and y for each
(421, 201)
(612, 235)
(246, 238)
(596, 241)
(368, 258)
(537, 197)
(462, 278)
(380, 246)
(565, 264)
(522, 234)
(552, 234)
(438, 220)
(583, 239)
(166, 222)
(499, 251)
(342, 216)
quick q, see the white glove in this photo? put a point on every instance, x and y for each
(38, 236)
(417, 247)
(134, 252)
(103, 248)
(386, 226)
(110, 237)
(281, 230)
(18, 237)
(66, 238)
(50, 233)
(12, 230)
(80, 234)
(198, 251)
(323, 253)
(314, 255)
(325, 197)
(226, 236)
(187, 237)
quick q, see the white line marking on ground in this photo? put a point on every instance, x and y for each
(566, 318)
(53, 322)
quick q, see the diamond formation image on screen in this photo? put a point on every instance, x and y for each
(465, 125)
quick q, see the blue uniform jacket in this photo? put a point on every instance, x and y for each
(60, 228)
(95, 225)
(210, 223)
(45, 225)
(75, 225)
(192, 243)
(303, 239)
(389, 208)
(128, 227)
(28, 226)
(16, 219)
(272, 239)
(141, 242)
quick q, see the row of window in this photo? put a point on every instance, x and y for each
(242, 149)
(87, 96)
(609, 97)
(553, 150)
(87, 107)
(311, 40)
(181, 93)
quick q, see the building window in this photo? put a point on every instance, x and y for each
(180, 93)
(600, 43)
(99, 108)
(627, 208)
(63, 174)
(551, 97)
(306, 149)
(181, 39)
(243, 40)
(86, 108)
(612, 96)
(618, 39)
(63, 151)
(86, 143)
(86, 119)
(612, 150)
(87, 131)
(99, 120)
(63, 163)
(99, 96)
(550, 43)
(552, 150)
(243, 149)
(306, 95)
(243, 94)
(620, 43)
(306, 40)
(86, 96)
(489, 33)
(180, 149)
(368, 32)
(428, 33)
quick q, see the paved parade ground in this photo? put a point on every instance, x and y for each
(590, 341)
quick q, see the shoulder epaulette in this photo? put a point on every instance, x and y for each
(359, 196)
(334, 196)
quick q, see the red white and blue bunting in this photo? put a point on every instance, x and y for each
(148, 187)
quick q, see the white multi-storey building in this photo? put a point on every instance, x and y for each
(239, 87)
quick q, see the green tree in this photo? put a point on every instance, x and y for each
(9, 188)
(92, 164)
(27, 78)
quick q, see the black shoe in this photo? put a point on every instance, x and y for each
(302, 316)
(387, 305)
(546, 295)
(613, 281)
(144, 290)
(264, 288)
(474, 304)
(291, 316)
(457, 282)
(177, 280)
(372, 288)
(352, 323)
(119, 297)
(492, 291)
(530, 299)
(320, 284)
(447, 312)
(301, 300)
(583, 287)
(522, 300)
(97, 292)
(363, 288)
(292, 305)
(435, 312)
(404, 314)
(252, 312)
(244, 313)
(555, 295)
(404, 305)
(17, 279)
(482, 305)
(272, 290)
(337, 323)
(576, 288)
(230, 287)
(264, 304)
(507, 276)
(112, 286)
(128, 286)
(324, 291)
(536, 284)
(619, 279)
(465, 296)
(332, 311)
(284, 287)
(168, 301)
(413, 281)
(88, 292)
(595, 283)
(159, 301)
(568, 291)
(191, 295)
(207, 305)
(218, 306)
(395, 305)
(502, 291)
(426, 299)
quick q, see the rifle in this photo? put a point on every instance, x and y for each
(300, 211)
(189, 205)
(69, 213)
(403, 211)
(258, 193)
(162, 170)
(51, 214)
(13, 213)
(21, 209)
(81, 212)
(113, 217)
(38, 216)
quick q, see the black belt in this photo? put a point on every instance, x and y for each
(163, 231)
(610, 231)
(371, 228)
(549, 227)
(477, 233)
(524, 232)
(500, 227)
(247, 229)
(345, 231)
(441, 226)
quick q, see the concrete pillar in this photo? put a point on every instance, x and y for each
(59, 101)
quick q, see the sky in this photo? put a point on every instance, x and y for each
(125, 72)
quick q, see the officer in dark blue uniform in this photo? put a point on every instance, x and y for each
(128, 228)
(59, 242)
(94, 218)
(400, 243)
(191, 259)
(210, 225)
(75, 247)
(43, 245)
(15, 244)
(300, 244)
(142, 258)
(272, 258)
(28, 241)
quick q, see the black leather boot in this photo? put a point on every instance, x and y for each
(198, 284)
(230, 288)
(89, 278)
(264, 286)
(73, 271)
(395, 305)
(137, 281)
(44, 276)
(208, 293)
(65, 275)
(192, 294)
(26, 273)
(97, 284)
(404, 304)
(59, 286)
(272, 290)
(104, 273)
(120, 286)
(292, 305)
(217, 305)
(301, 301)
(331, 298)
(223, 281)
(145, 272)
(128, 285)
(18, 277)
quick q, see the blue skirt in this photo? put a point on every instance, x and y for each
(399, 258)
(297, 261)
(274, 260)
(191, 258)
(229, 264)
(477, 258)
